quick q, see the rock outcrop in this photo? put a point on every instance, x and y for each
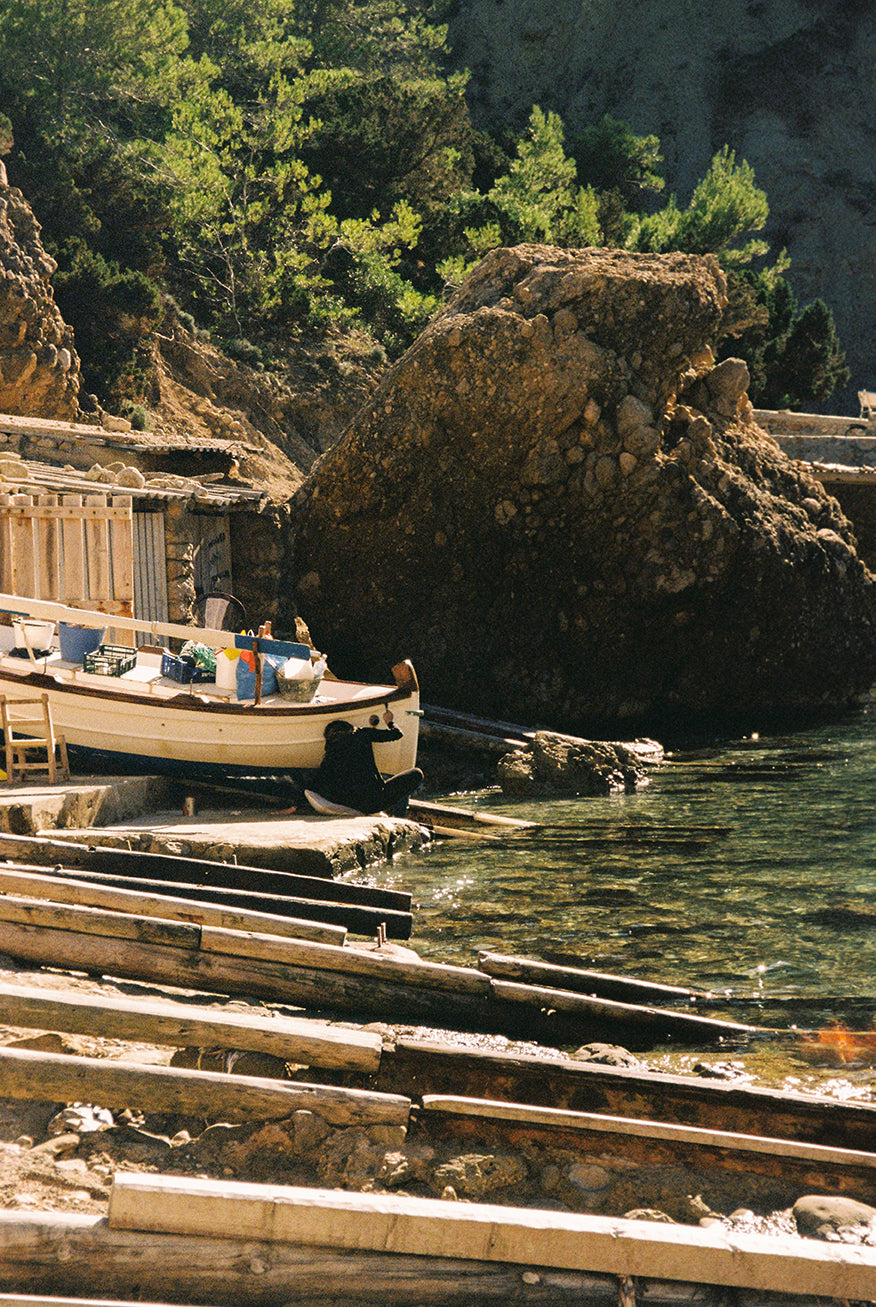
(39, 367)
(564, 513)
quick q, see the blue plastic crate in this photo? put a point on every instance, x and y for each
(180, 669)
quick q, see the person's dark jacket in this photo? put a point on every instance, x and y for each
(348, 773)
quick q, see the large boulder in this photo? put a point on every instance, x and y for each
(39, 368)
(564, 513)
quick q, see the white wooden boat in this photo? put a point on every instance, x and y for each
(144, 721)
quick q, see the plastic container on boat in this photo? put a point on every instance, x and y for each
(226, 669)
(28, 631)
(77, 641)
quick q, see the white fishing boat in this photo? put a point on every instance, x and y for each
(142, 719)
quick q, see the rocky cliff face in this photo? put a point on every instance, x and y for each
(39, 368)
(788, 84)
(564, 513)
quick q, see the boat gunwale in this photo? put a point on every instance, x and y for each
(181, 701)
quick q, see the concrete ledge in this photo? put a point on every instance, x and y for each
(132, 813)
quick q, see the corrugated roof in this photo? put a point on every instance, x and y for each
(44, 478)
(137, 442)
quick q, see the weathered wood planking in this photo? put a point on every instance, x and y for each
(351, 916)
(32, 884)
(663, 1163)
(378, 997)
(74, 548)
(241, 943)
(484, 1232)
(63, 1252)
(427, 1067)
(209, 1094)
(182, 1026)
(69, 855)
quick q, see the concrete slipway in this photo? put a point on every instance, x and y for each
(145, 813)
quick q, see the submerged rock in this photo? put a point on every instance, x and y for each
(563, 512)
(551, 765)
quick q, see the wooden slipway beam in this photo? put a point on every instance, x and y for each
(183, 1026)
(54, 1077)
(484, 1232)
(36, 884)
(64, 1252)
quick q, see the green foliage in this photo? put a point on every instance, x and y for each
(611, 158)
(281, 164)
(536, 200)
(794, 357)
(113, 313)
(726, 206)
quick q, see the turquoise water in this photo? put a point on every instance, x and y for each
(747, 867)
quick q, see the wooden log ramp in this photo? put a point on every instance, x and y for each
(333, 978)
(430, 1228)
(361, 909)
(64, 1253)
(419, 1070)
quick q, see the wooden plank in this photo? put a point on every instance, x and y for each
(212, 1094)
(159, 866)
(349, 960)
(97, 921)
(97, 552)
(597, 984)
(371, 997)
(73, 542)
(659, 1023)
(487, 1232)
(67, 1252)
(59, 889)
(781, 1168)
(182, 1026)
(48, 565)
(360, 920)
(5, 542)
(39, 1300)
(122, 529)
(429, 1067)
(22, 542)
(243, 944)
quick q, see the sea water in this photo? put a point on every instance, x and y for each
(745, 867)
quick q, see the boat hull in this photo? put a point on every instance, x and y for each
(119, 727)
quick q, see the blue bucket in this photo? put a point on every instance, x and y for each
(77, 641)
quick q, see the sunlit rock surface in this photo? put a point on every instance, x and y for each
(565, 514)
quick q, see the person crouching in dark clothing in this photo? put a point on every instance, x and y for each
(348, 773)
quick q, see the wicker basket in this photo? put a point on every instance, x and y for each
(298, 691)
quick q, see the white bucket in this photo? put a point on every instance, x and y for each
(39, 634)
(226, 669)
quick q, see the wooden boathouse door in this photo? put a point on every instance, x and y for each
(70, 549)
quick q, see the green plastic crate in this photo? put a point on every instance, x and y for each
(110, 660)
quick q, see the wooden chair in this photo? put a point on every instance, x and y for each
(28, 730)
